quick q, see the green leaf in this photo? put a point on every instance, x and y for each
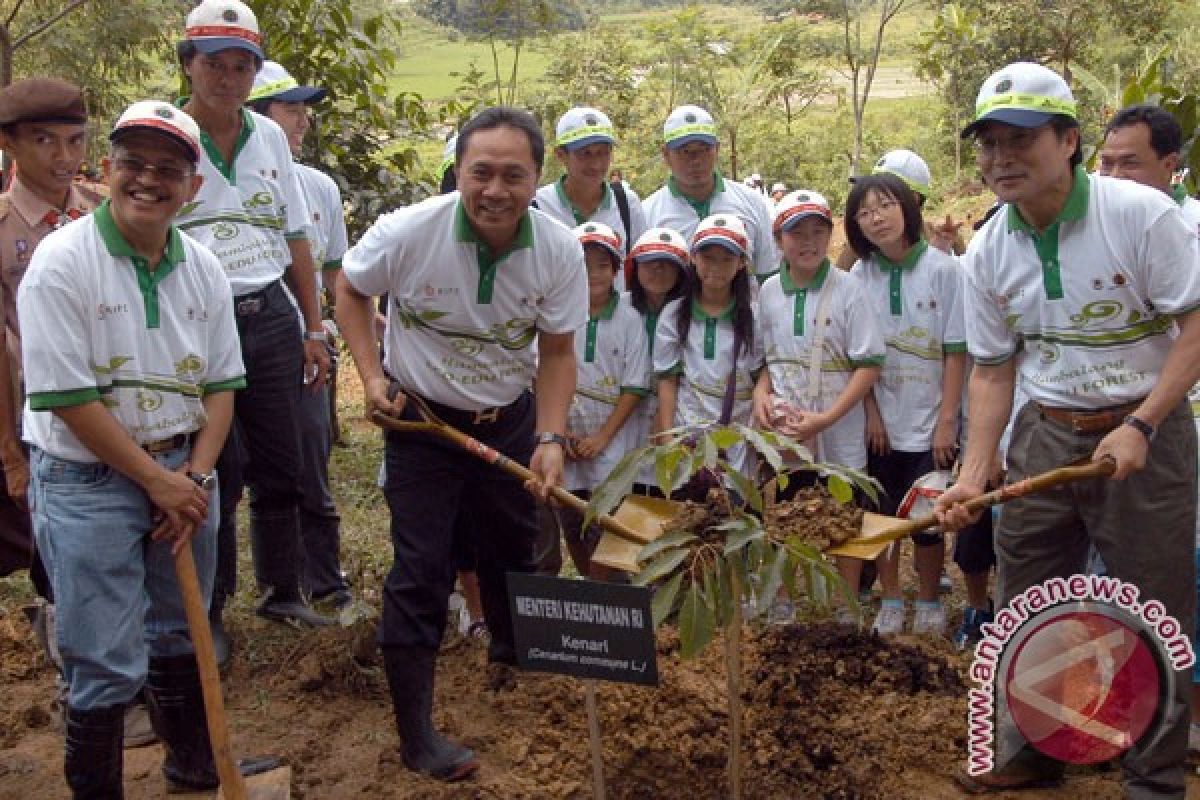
(790, 570)
(696, 623)
(667, 468)
(751, 531)
(661, 566)
(725, 438)
(766, 450)
(674, 539)
(663, 601)
(771, 577)
(841, 491)
(746, 488)
(609, 493)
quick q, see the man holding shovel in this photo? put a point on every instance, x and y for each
(131, 358)
(476, 280)
(1088, 287)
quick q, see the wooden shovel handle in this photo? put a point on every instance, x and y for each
(1031, 485)
(498, 459)
(233, 787)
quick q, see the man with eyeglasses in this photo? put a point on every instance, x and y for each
(252, 213)
(1086, 287)
(696, 189)
(131, 361)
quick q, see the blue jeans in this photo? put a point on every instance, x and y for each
(118, 601)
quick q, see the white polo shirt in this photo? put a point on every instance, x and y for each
(246, 211)
(98, 325)
(787, 324)
(703, 363)
(462, 321)
(668, 208)
(642, 421)
(552, 199)
(918, 306)
(1087, 307)
(327, 219)
(611, 359)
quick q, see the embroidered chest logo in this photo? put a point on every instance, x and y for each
(104, 311)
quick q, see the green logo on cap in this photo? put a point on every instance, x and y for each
(590, 119)
(164, 112)
(589, 228)
(689, 117)
(803, 198)
(719, 222)
(230, 15)
(1001, 87)
(664, 237)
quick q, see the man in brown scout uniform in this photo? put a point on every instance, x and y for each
(43, 129)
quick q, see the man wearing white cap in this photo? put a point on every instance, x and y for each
(127, 411)
(278, 96)
(1087, 287)
(695, 189)
(583, 144)
(252, 213)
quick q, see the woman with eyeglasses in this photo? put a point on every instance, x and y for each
(912, 412)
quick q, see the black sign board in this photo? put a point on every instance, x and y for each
(583, 628)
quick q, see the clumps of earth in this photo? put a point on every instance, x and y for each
(815, 517)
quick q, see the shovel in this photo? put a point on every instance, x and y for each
(273, 785)
(879, 531)
(637, 536)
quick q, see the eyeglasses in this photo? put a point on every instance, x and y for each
(136, 166)
(864, 215)
(1017, 141)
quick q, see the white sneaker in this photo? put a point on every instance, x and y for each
(782, 611)
(930, 619)
(889, 620)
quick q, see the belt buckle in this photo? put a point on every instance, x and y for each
(487, 415)
(249, 305)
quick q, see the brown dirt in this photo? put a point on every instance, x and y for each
(815, 517)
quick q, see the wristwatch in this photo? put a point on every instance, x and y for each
(1146, 428)
(316, 336)
(205, 480)
(546, 437)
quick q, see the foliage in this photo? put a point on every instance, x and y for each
(331, 43)
(943, 53)
(506, 19)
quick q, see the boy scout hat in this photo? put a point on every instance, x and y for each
(582, 126)
(689, 124)
(1022, 94)
(217, 25)
(163, 118)
(908, 167)
(274, 82)
(601, 234)
(799, 204)
(659, 243)
(725, 230)
(42, 100)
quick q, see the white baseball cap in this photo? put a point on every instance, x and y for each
(163, 118)
(601, 234)
(724, 229)
(217, 25)
(778, 187)
(274, 82)
(689, 124)
(1022, 94)
(582, 126)
(799, 204)
(657, 243)
(908, 167)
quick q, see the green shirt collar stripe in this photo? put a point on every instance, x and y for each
(593, 324)
(214, 153)
(580, 217)
(1046, 244)
(463, 232)
(710, 325)
(896, 269)
(800, 294)
(701, 207)
(148, 281)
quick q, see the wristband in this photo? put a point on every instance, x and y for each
(316, 336)
(546, 437)
(1146, 428)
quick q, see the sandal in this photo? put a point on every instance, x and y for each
(1006, 780)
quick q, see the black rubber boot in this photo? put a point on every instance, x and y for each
(176, 705)
(410, 672)
(94, 752)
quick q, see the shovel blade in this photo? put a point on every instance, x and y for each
(866, 546)
(645, 515)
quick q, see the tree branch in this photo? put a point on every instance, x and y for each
(42, 27)
(13, 14)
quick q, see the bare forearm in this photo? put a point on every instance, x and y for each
(355, 315)
(954, 369)
(99, 431)
(211, 438)
(555, 386)
(627, 403)
(302, 276)
(990, 394)
(668, 390)
(1179, 374)
(856, 389)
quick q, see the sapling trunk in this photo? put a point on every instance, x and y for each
(733, 682)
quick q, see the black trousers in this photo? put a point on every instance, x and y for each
(430, 484)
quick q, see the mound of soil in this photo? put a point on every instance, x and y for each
(815, 517)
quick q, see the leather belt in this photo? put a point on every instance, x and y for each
(163, 445)
(1093, 421)
(251, 303)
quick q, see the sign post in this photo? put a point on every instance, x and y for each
(590, 630)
